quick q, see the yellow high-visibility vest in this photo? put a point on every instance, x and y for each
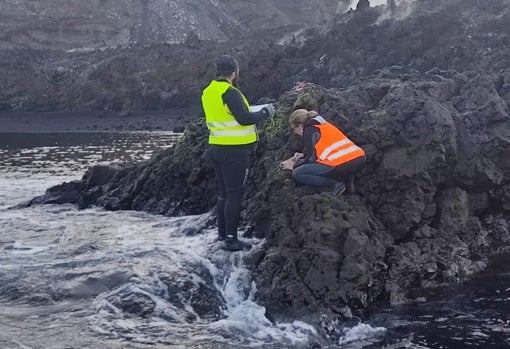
(223, 127)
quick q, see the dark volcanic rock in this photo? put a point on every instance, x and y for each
(433, 201)
(180, 291)
(61, 194)
(449, 34)
(132, 55)
(362, 4)
(467, 35)
(423, 87)
(76, 24)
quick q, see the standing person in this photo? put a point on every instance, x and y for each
(232, 138)
(329, 157)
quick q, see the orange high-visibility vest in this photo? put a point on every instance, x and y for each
(333, 147)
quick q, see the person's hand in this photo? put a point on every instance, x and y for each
(269, 109)
(287, 164)
(298, 156)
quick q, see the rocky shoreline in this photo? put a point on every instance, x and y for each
(424, 89)
(415, 36)
(98, 121)
(433, 203)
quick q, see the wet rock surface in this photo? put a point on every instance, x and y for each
(432, 203)
(420, 88)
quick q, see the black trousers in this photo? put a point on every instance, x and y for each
(231, 164)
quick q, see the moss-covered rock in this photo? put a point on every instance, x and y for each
(432, 203)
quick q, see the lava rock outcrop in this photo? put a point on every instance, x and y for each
(432, 203)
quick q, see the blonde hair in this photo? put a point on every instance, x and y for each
(300, 116)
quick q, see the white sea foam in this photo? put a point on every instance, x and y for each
(242, 315)
(361, 332)
(17, 187)
(96, 258)
(19, 247)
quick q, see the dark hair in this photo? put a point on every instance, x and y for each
(225, 65)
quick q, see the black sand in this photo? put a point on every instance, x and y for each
(93, 121)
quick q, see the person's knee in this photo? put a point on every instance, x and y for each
(296, 175)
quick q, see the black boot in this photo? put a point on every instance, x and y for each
(338, 189)
(221, 237)
(350, 188)
(234, 244)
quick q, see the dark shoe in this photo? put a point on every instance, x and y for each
(349, 183)
(339, 189)
(220, 237)
(236, 245)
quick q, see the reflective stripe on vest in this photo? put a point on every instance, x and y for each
(230, 133)
(333, 147)
(223, 127)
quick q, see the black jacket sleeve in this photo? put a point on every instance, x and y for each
(234, 100)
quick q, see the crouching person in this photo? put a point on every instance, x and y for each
(329, 158)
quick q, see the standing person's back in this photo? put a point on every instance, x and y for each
(232, 137)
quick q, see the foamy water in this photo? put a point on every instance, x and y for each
(73, 277)
(96, 279)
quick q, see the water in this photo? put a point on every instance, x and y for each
(99, 279)
(475, 314)
(94, 278)
(34, 161)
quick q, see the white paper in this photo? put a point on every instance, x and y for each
(258, 107)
